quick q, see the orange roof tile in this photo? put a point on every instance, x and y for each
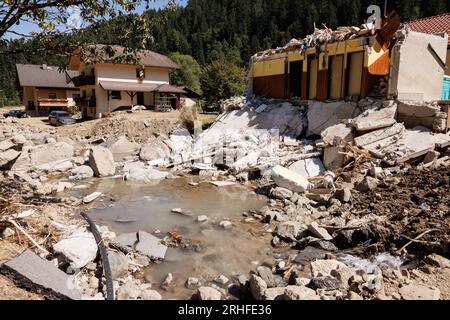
(432, 25)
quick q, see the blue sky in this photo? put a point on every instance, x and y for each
(26, 27)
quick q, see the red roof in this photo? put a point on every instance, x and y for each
(432, 25)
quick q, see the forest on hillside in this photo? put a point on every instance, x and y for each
(211, 30)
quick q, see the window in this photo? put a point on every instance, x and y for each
(75, 95)
(140, 73)
(84, 93)
(115, 95)
(52, 95)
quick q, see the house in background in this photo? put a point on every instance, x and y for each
(107, 86)
(45, 88)
(190, 98)
(439, 24)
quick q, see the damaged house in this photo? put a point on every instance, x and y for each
(108, 86)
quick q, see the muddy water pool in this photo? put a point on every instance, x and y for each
(129, 207)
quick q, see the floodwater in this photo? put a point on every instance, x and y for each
(129, 207)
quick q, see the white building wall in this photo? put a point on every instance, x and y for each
(416, 75)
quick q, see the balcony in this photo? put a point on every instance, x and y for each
(84, 81)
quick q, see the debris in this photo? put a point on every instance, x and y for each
(319, 232)
(136, 291)
(415, 291)
(266, 274)
(40, 276)
(291, 230)
(369, 139)
(118, 263)
(150, 246)
(221, 280)
(15, 224)
(202, 219)
(155, 150)
(290, 180)
(208, 293)
(257, 287)
(192, 282)
(81, 173)
(226, 224)
(344, 195)
(101, 161)
(300, 293)
(323, 115)
(334, 134)
(281, 193)
(176, 239)
(91, 197)
(140, 173)
(308, 168)
(437, 261)
(125, 242)
(78, 249)
(367, 184)
(222, 183)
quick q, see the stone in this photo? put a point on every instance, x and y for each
(125, 242)
(41, 276)
(122, 148)
(45, 154)
(290, 230)
(337, 269)
(302, 281)
(118, 263)
(92, 197)
(333, 159)
(438, 261)
(266, 274)
(226, 224)
(6, 144)
(257, 287)
(78, 249)
(288, 179)
(376, 172)
(133, 291)
(416, 291)
(81, 173)
(413, 114)
(333, 135)
(208, 293)
(101, 161)
(343, 195)
(367, 184)
(397, 130)
(62, 186)
(272, 294)
(154, 150)
(8, 156)
(300, 293)
(222, 183)
(221, 280)
(308, 168)
(326, 283)
(281, 193)
(192, 283)
(319, 232)
(150, 246)
(431, 156)
(167, 281)
(145, 175)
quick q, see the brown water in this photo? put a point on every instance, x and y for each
(129, 207)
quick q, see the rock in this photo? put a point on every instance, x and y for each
(150, 246)
(6, 144)
(368, 184)
(167, 281)
(323, 268)
(202, 219)
(192, 283)
(122, 148)
(319, 232)
(416, 291)
(300, 293)
(354, 296)
(431, 156)
(274, 293)
(221, 280)
(133, 291)
(208, 293)
(63, 186)
(257, 287)
(125, 242)
(326, 283)
(146, 175)
(288, 179)
(81, 173)
(101, 161)
(291, 230)
(8, 156)
(343, 195)
(333, 159)
(281, 193)
(302, 281)
(92, 197)
(226, 224)
(222, 183)
(308, 168)
(266, 274)
(118, 263)
(78, 249)
(333, 135)
(40, 276)
(154, 150)
(45, 154)
(438, 261)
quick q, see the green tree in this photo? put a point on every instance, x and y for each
(222, 79)
(189, 73)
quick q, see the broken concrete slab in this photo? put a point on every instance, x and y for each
(6, 144)
(397, 129)
(81, 173)
(414, 114)
(319, 232)
(118, 263)
(291, 230)
(154, 150)
(125, 242)
(308, 168)
(281, 193)
(323, 115)
(333, 158)
(122, 148)
(91, 197)
(101, 161)
(144, 174)
(288, 179)
(376, 119)
(333, 135)
(8, 156)
(78, 249)
(150, 246)
(38, 275)
(46, 153)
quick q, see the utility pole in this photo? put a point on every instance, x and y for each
(385, 8)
